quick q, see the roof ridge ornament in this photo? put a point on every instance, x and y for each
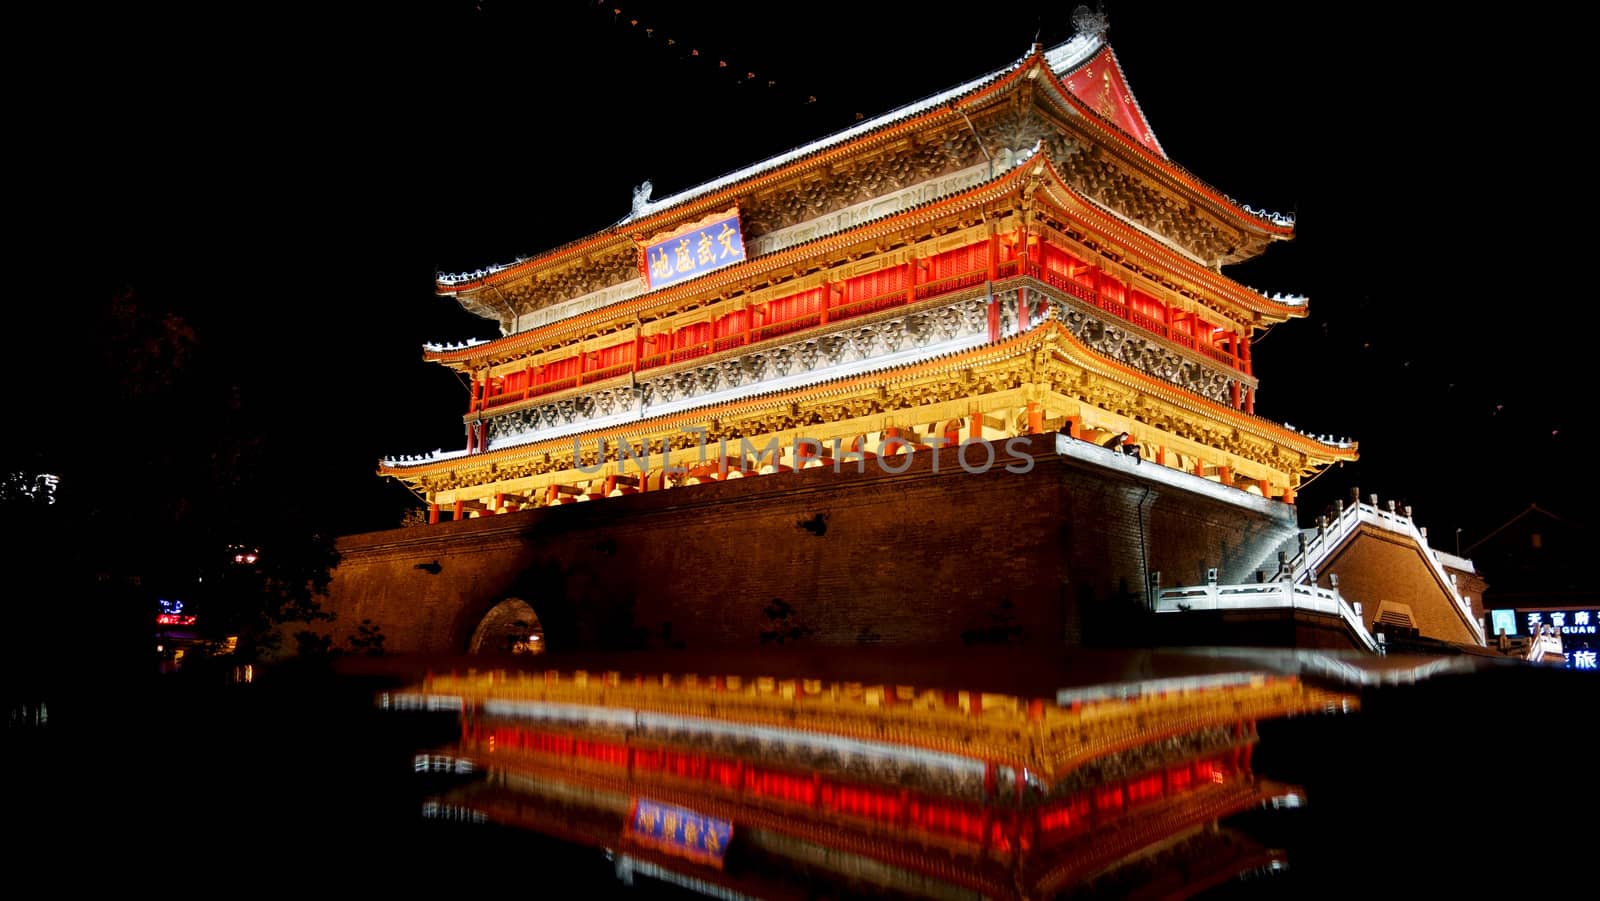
(1091, 22)
(641, 198)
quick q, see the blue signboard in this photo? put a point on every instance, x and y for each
(1579, 631)
(694, 251)
(1565, 623)
(679, 831)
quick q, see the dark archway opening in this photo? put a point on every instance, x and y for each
(511, 627)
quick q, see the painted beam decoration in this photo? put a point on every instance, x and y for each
(678, 831)
(693, 250)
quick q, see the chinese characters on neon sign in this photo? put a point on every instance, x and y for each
(694, 251)
(1573, 626)
(1566, 622)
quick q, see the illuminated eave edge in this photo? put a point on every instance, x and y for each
(1062, 344)
(654, 215)
(659, 214)
(1279, 226)
(1066, 198)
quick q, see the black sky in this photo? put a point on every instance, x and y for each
(291, 179)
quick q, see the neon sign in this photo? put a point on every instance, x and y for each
(1564, 622)
(172, 614)
(679, 831)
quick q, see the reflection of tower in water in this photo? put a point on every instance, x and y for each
(751, 785)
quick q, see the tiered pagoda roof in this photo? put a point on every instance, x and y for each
(1018, 245)
(1062, 80)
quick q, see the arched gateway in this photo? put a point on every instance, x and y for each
(510, 627)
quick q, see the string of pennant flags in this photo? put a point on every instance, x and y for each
(687, 49)
(620, 16)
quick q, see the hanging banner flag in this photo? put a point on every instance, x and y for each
(693, 250)
(679, 831)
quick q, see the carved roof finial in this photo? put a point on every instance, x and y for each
(1090, 22)
(641, 197)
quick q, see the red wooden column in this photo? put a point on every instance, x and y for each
(827, 298)
(1233, 393)
(1161, 454)
(499, 503)
(1250, 401)
(975, 424)
(1225, 475)
(433, 514)
(1035, 418)
(1249, 368)
(1233, 347)
(460, 509)
(1288, 496)
(1024, 314)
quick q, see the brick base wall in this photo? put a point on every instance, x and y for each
(923, 558)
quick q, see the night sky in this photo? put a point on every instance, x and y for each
(289, 180)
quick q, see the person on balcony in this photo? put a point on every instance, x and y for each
(1119, 442)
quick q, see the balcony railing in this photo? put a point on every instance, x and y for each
(690, 352)
(511, 397)
(608, 372)
(1263, 596)
(785, 327)
(954, 283)
(865, 306)
(1122, 311)
(869, 305)
(1147, 323)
